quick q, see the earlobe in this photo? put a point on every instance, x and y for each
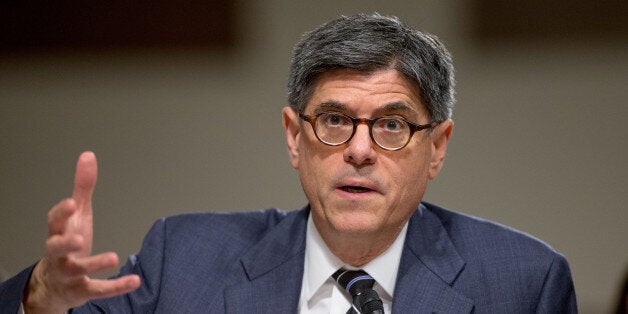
(440, 138)
(292, 130)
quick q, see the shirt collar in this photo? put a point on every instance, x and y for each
(320, 263)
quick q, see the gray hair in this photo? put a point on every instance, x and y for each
(368, 43)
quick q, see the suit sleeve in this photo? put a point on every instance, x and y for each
(147, 264)
(558, 294)
(12, 291)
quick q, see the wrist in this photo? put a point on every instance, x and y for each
(37, 298)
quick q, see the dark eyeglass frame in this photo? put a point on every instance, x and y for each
(370, 123)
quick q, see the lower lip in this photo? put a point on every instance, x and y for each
(346, 194)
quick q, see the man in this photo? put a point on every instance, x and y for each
(367, 127)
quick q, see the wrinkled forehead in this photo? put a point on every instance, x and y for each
(363, 93)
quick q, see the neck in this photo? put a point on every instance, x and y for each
(358, 249)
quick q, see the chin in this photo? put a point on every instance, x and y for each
(355, 224)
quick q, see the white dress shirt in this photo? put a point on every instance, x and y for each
(320, 293)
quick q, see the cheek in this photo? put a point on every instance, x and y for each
(312, 172)
(409, 179)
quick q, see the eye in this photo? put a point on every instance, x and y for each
(391, 124)
(333, 119)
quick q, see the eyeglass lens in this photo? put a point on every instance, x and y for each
(388, 132)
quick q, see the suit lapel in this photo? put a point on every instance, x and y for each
(428, 268)
(273, 269)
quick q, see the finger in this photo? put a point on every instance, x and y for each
(81, 266)
(60, 246)
(105, 288)
(85, 179)
(59, 215)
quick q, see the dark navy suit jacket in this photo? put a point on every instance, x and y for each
(253, 263)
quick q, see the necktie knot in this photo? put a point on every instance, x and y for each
(359, 285)
(354, 281)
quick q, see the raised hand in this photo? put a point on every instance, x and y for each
(61, 279)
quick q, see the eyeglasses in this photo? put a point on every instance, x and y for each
(388, 132)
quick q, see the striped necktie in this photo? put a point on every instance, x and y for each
(359, 285)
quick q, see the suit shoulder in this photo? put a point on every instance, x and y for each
(194, 236)
(504, 262)
(249, 224)
(470, 233)
(266, 217)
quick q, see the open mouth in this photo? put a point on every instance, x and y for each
(354, 189)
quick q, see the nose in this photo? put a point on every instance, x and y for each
(360, 149)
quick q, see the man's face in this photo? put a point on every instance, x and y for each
(358, 188)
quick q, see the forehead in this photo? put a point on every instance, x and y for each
(362, 93)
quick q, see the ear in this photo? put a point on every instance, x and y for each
(440, 138)
(292, 129)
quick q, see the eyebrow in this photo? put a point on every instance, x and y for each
(330, 105)
(399, 106)
(393, 106)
